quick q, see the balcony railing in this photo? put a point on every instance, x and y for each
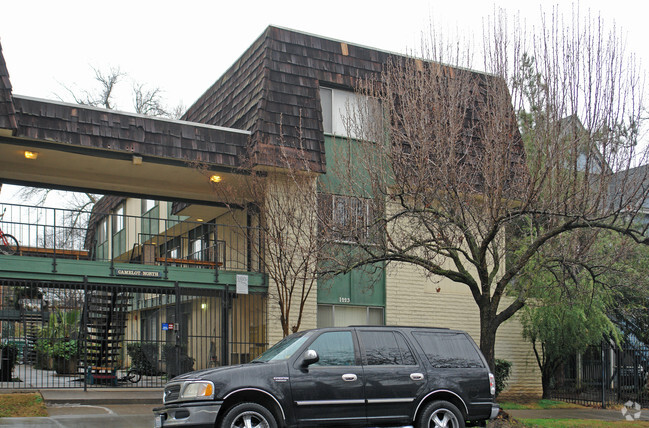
(148, 240)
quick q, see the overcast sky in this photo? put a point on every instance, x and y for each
(183, 47)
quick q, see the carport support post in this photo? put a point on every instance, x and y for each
(177, 327)
(225, 303)
(54, 245)
(84, 330)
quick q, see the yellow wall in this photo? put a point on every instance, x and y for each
(413, 299)
(309, 316)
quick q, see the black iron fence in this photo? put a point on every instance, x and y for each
(87, 335)
(605, 375)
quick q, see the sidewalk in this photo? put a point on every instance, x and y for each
(585, 413)
(108, 407)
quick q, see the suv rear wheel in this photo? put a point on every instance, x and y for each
(441, 414)
(248, 415)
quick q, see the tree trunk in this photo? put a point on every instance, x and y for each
(488, 336)
(546, 377)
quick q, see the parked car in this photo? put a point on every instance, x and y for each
(362, 376)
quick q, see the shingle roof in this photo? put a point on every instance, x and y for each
(7, 111)
(90, 127)
(275, 83)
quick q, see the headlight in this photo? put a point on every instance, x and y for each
(197, 390)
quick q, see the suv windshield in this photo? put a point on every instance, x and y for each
(283, 349)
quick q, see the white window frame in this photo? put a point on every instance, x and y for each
(347, 220)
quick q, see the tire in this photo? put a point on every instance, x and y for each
(440, 414)
(133, 376)
(248, 415)
(12, 248)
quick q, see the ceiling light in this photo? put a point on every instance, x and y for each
(137, 160)
(31, 155)
(199, 219)
(215, 179)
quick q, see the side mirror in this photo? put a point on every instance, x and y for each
(310, 357)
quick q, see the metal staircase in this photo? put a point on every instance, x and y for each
(105, 326)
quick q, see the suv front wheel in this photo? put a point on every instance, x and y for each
(441, 414)
(248, 415)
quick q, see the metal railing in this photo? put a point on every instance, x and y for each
(605, 375)
(173, 241)
(90, 335)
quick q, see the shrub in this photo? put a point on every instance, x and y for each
(43, 349)
(503, 370)
(65, 349)
(186, 362)
(144, 357)
(9, 353)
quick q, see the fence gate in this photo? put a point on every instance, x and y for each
(59, 335)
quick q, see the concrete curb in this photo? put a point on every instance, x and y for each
(103, 396)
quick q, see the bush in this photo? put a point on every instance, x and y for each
(65, 349)
(186, 362)
(503, 370)
(9, 356)
(43, 349)
(144, 357)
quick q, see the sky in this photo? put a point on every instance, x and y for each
(183, 47)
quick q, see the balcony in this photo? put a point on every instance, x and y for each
(66, 245)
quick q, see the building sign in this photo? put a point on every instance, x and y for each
(167, 326)
(138, 272)
(242, 284)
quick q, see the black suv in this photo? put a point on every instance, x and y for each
(362, 376)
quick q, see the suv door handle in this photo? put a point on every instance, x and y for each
(416, 376)
(349, 377)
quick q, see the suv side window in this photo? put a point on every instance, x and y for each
(385, 348)
(448, 350)
(335, 348)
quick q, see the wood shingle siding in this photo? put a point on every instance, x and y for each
(89, 127)
(7, 110)
(272, 90)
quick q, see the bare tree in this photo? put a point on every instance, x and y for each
(459, 184)
(102, 96)
(147, 101)
(151, 103)
(285, 199)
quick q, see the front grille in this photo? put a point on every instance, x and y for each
(172, 392)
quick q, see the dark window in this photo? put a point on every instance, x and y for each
(335, 348)
(345, 218)
(406, 352)
(449, 350)
(383, 348)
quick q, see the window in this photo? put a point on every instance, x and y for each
(102, 231)
(118, 219)
(449, 350)
(346, 218)
(338, 106)
(385, 348)
(343, 315)
(196, 249)
(335, 348)
(148, 205)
